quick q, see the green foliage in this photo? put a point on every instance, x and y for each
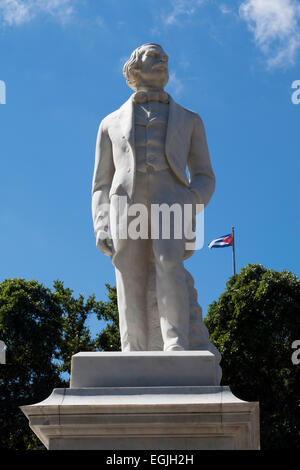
(42, 330)
(30, 326)
(109, 338)
(253, 324)
(75, 336)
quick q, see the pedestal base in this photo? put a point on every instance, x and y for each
(100, 410)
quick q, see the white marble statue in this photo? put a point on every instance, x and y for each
(142, 153)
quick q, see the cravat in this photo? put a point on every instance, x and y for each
(142, 97)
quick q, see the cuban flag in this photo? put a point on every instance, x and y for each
(222, 242)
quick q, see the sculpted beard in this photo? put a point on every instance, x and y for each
(159, 75)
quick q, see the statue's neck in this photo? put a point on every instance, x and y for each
(147, 88)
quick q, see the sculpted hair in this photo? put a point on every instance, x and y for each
(133, 64)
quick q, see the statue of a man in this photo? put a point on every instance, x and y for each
(143, 151)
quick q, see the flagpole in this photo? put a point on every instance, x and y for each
(233, 252)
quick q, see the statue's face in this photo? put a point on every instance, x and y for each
(153, 70)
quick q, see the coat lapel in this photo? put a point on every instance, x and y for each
(173, 122)
(127, 122)
(175, 140)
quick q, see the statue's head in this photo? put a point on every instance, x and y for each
(147, 66)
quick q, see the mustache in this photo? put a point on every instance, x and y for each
(160, 67)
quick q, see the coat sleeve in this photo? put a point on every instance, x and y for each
(102, 180)
(202, 178)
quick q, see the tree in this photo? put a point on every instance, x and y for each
(41, 329)
(109, 338)
(253, 324)
(75, 336)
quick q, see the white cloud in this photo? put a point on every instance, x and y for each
(181, 8)
(17, 12)
(225, 9)
(276, 29)
(175, 85)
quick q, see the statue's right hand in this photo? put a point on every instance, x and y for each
(104, 242)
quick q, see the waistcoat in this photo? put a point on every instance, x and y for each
(151, 121)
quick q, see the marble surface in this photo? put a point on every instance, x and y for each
(144, 401)
(145, 418)
(145, 161)
(144, 369)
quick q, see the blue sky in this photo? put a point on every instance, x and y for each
(233, 62)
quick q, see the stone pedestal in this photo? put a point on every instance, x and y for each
(145, 401)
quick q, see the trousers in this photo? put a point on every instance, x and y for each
(132, 264)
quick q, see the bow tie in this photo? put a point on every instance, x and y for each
(141, 97)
